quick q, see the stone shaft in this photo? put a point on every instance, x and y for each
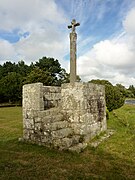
(73, 38)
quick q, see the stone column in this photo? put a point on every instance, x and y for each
(33, 97)
(32, 103)
(73, 38)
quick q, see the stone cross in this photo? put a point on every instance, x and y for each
(73, 38)
(73, 25)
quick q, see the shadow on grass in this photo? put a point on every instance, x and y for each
(26, 161)
(114, 159)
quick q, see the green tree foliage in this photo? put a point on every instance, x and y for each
(8, 67)
(124, 91)
(114, 97)
(10, 90)
(132, 90)
(102, 82)
(65, 77)
(129, 94)
(50, 71)
(23, 69)
(38, 75)
(1, 71)
(51, 68)
(121, 88)
(13, 76)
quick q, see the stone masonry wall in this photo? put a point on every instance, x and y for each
(84, 106)
(63, 118)
(51, 96)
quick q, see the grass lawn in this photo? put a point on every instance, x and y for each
(113, 159)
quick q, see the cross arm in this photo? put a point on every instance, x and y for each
(70, 26)
(77, 24)
(73, 25)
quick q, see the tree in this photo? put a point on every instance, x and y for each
(114, 97)
(128, 93)
(65, 77)
(22, 68)
(14, 75)
(52, 68)
(38, 75)
(8, 67)
(102, 82)
(49, 72)
(11, 87)
(132, 89)
(1, 71)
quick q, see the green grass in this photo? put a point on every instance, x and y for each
(113, 159)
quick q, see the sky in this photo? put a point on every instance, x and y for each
(32, 29)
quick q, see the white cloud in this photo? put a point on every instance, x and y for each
(28, 14)
(108, 61)
(112, 59)
(129, 22)
(107, 55)
(6, 50)
(123, 79)
(114, 54)
(42, 43)
(42, 19)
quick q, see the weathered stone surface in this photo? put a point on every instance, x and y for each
(59, 125)
(77, 117)
(33, 96)
(63, 143)
(64, 117)
(79, 147)
(61, 133)
(27, 133)
(51, 96)
(29, 123)
(84, 104)
(73, 38)
(102, 138)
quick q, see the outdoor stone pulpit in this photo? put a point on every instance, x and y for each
(66, 117)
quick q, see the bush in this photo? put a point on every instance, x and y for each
(114, 97)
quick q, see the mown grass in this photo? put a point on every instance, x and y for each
(113, 159)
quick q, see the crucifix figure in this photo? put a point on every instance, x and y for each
(73, 38)
(73, 25)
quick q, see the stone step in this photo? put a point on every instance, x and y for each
(61, 133)
(52, 119)
(59, 125)
(51, 111)
(63, 143)
(55, 125)
(78, 148)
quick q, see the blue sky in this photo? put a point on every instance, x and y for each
(106, 36)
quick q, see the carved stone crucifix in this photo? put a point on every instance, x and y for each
(73, 25)
(73, 38)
